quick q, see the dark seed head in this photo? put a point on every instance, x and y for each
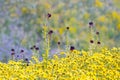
(22, 51)
(91, 41)
(34, 46)
(67, 28)
(27, 64)
(50, 32)
(31, 48)
(58, 43)
(26, 59)
(17, 55)
(98, 42)
(48, 15)
(97, 33)
(12, 50)
(72, 48)
(90, 24)
(37, 48)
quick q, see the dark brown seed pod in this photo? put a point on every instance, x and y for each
(12, 49)
(22, 51)
(26, 59)
(31, 48)
(98, 42)
(91, 24)
(37, 48)
(67, 28)
(72, 48)
(91, 41)
(34, 46)
(17, 56)
(49, 15)
(97, 33)
(27, 64)
(50, 32)
(58, 43)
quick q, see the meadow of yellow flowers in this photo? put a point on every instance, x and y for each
(73, 65)
(76, 39)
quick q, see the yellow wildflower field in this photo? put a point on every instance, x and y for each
(73, 65)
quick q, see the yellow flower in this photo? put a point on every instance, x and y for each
(38, 21)
(84, 53)
(62, 53)
(116, 3)
(47, 5)
(104, 28)
(55, 56)
(98, 3)
(83, 77)
(61, 30)
(33, 11)
(118, 26)
(116, 16)
(24, 10)
(73, 67)
(75, 52)
(102, 19)
(86, 15)
(24, 41)
(73, 29)
(35, 59)
(13, 15)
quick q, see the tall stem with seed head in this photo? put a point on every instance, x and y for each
(91, 34)
(67, 39)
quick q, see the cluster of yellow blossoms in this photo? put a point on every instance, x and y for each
(75, 65)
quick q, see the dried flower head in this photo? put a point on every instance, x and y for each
(98, 42)
(58, 43)
(12, 49)
(72, 48)
(26, 59)
(17, 56)
(48, 15)
(67, 28)
(90, 23)
(27, 64)
(31, 48)
(34, 46)
(91, 41)
(50, 32)
(22, 51)
(37, 48)
(97, 33)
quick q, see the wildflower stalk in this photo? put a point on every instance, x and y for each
(45, 42)
(47, 38)
(59, 46)
(37, 54)
(67, 43)
(13, 57)
(13, 54)
(48, 47)
(98, 41)
(67, 40)
(91, 46)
